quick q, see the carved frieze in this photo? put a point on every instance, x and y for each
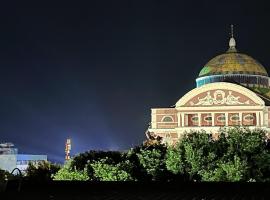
(219, 97)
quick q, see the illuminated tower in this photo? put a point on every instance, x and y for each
(67, 149)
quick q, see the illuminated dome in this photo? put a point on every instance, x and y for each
(235, 67)
(233, 63)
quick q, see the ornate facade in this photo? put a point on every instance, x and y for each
(232, 90)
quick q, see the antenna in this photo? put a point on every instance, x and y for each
(67, 149)
(232, 30)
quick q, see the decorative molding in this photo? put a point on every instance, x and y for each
(220, 86)
(219, 98)
(217, 108)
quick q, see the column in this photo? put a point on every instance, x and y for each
(183, 119)
(257, 119)
(154, 119)
(266, 116)
(240, 118)
(178, 119)
(226, 119)
(212, 116)
(199, 119)
(262, 118)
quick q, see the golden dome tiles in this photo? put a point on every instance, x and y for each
(233, 63)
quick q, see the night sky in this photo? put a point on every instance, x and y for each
(92, 72)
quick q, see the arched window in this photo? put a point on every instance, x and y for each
(167, 119)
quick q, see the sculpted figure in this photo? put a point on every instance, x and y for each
(207, 100)
(232, 100)
(219, 97)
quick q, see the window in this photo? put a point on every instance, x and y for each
(194, 119)
(167, 119)
(220, 119)
(191, 119)
(234, 119)
(249, 119)
(206, 119)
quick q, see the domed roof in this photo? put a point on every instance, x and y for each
(232, 62)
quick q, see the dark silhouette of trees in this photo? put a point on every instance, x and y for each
(42, 171)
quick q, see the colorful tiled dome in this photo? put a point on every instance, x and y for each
(233, 62)
(235, 67)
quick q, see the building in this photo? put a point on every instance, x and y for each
(23, 160)
(233, 89)
(10, 159)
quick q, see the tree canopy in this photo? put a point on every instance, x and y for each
(237, 154)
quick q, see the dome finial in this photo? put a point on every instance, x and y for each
(232, 30)
(232, 42)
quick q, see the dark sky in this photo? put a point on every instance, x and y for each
(93, 71)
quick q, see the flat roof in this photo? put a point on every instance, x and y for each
(31, 157)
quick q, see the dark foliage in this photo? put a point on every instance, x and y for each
(41, 172)
(79, 162)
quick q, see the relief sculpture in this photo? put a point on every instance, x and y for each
(219, 98)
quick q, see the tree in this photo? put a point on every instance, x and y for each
(152, 160)
(42, 171)
(231, 171)
(191, 154)
(107, 170)
(80, 161)
(250, 146)
(174, 160)
(135, 168)
(66, 173)
(238, 154)
(4, 175)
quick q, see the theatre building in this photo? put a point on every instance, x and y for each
(233, 89)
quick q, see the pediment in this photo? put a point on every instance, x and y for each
(219, 98)
(219, 94)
